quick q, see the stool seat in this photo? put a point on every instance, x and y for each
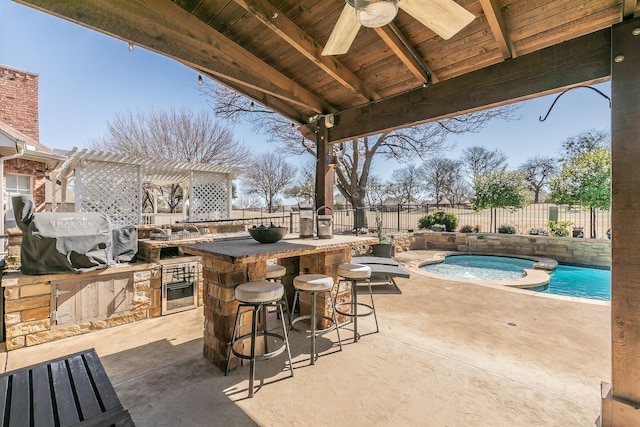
(313, 283)
(257, 292)
(275, 271)
(354, 271)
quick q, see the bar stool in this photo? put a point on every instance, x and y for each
(275, 273)
(259, 295)
(354, 273)
(313, 284)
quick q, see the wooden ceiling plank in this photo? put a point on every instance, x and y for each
(167, 29)
(390, 34)
(498, 26)
(580, 60)
(280, 24)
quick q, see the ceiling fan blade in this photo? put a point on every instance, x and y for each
(343, 34)
(443, 17)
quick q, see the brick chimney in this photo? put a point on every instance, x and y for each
(19, 101)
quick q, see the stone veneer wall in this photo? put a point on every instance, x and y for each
(563, 249)
(28, 303)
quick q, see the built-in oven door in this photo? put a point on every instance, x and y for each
(179, 287)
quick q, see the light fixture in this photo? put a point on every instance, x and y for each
(252, 106)
(376, 13)
(200, 80)
(130, 47)
(337, 151)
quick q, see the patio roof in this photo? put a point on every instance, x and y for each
(154, 172)
(393, 76)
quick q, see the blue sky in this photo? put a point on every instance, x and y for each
(86, 77)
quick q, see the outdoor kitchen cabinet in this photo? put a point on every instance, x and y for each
(87, 299)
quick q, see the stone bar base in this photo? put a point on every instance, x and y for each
(616, 413)
(221, 277)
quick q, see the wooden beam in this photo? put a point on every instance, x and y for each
(584, 59)
(391, 35)
(629, 9)
(164, 27)
(286, 29)
(324, 172)
(496, 22)
(625, 213)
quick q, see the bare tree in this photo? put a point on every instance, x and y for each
(538, 170)
(585, 142)
(306, 183)
(438, 175)
(405, 184)
(478, 161)
(178, 135)
(353, 172)
(459, 189)
(376, 191)
(267, 176)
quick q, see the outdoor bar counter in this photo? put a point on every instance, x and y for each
(227, 264)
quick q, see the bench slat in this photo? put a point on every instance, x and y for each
(104, 387)
(43, 406)
(65, 401)
(4, 386)
(20, 400)
(89, 406)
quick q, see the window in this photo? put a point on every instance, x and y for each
(16, 185)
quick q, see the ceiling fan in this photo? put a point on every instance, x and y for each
(443, 17)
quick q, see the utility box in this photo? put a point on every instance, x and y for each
(553, 213)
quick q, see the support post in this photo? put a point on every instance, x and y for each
(324, 172)
(621, 399)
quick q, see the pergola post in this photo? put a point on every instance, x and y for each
(324, 172)
(621, 398)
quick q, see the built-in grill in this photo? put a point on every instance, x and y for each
(179, 286)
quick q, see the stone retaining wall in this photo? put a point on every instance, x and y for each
(562, 249)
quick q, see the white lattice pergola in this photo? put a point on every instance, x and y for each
(113, 184)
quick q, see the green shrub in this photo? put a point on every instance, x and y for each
(538, 231)
(447, 219)
(560, 228)
(507, 229)
(466, 229)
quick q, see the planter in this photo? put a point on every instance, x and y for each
(386, 250)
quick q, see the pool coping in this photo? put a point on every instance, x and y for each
(534, 277)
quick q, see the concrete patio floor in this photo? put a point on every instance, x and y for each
(448, 354)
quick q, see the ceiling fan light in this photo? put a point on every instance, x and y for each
(376, 13)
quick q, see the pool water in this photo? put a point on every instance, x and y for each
(581, 282)
(566, 280)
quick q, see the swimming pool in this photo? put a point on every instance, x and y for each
(581, 282)
(576, 281)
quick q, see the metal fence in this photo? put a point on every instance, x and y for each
(403, 218)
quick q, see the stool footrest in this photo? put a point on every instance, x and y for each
(264, 356)
(368, 312)
(318, 331)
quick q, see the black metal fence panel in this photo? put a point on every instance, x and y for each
(533, 218)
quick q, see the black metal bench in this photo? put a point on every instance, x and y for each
(73, 390)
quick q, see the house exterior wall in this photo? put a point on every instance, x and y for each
(28, 167)
(19, 101)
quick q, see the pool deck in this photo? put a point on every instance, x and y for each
(448, 354)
